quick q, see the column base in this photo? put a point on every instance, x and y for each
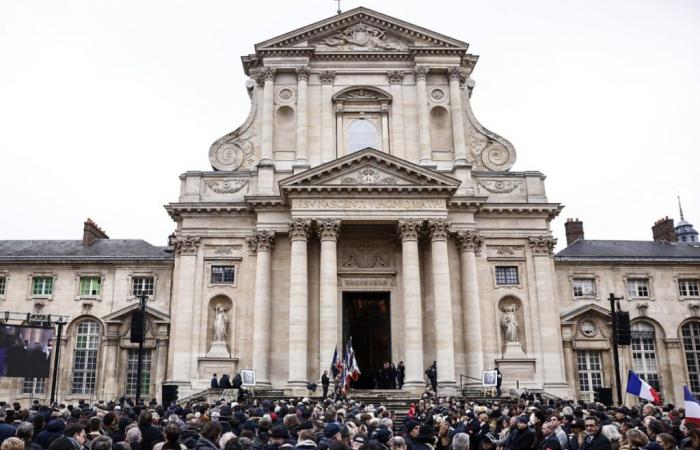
(447, 389)
(296, 389)
(415, 387)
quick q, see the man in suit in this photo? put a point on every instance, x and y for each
(214, 382)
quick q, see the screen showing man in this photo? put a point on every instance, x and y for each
(25, 351)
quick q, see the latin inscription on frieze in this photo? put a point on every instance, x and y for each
(350, 204)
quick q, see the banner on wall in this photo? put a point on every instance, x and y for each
(25, 351)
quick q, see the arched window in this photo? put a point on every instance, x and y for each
(644, 353)
(87, 343)
(691, 344)
(362, 133)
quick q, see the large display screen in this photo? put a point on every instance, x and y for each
(25, 351)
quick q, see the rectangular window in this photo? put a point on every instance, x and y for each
(42, 286)
(590, 371)
(584, 287)
(33, 386)
(644, 356)
(688, 288)
(141, 285)
(506, 275)
(2, 285)
(131, 371)
(637, 287)
(87, 343)
(222, 274)
(90, 286)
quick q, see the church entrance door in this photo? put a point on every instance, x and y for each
(366, 317)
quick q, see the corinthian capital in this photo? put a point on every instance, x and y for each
(327, 77)
(267, 74)
(186, 245)
(264, 241)
(456, 73)
(469, 241)
(299, 229)
(303, 73)
(542, 245)
(420, 72)
(439, 229)
(409, 229)
(395, 76)
(329, 229)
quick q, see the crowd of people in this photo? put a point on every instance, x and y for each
(316, 424)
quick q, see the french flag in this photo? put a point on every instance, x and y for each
(692, 407)
(640, 388)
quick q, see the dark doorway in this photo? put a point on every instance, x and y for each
(366, 317)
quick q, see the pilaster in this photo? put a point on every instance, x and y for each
(456, 77)
(420, 74)
(298, 306)
(469, 243)
(262, 243)
(329, 330)
(302, 140)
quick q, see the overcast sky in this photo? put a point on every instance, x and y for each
(104, 103)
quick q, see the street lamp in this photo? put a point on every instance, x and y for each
(140, 331)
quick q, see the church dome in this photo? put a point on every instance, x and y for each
(685, 232)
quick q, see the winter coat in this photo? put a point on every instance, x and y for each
(596, 442)
(550, 442)
(6, 431)
(203, 443)
(307, 444)
(150, 435)
(522, 439)
(53, 430)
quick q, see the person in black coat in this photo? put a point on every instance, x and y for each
(595, 440)
(325, 382)
(150, 435)
(431, 372)
(524, 437)
(400, 374)
(550, 441)
(214, 382)
(224, 382)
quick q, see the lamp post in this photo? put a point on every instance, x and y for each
(57, 351)
(615, 341)
(142, 306)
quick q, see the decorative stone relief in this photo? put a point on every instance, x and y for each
(360, 37)
(327, 77)
(328, 229)
(368, 175)
(267, 74)
(226, 186)
(496, 157)
(542, 245)
(439, 229)
(395, 76)
(438, 95)
(365, 258)
(456, 73)
(409, 230)
(236, 152)
(264, 241)
(505, 251)
(642, 308)
(187, 245)
(368, 283)
(469, 241)
(226, 250)
(499, 186)
(299, 229)
(694, 308)
(286, 95)
(252, 242)
(510, 323)
(421, 72)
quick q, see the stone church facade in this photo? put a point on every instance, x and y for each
(360, 198)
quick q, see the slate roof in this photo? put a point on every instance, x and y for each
(101, 250)
(595, 250)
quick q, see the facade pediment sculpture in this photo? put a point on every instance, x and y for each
(360, 37)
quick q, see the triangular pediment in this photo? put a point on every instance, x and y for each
(361, 29)
(125, 313)
(588, 310)
(369, 170)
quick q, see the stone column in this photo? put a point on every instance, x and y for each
(456, 76)
(298, 304)
(184, 307)
(385, 128)
(339, 135)
(327, 148)
(420, 74)
(268, 120)
(397, 127)
(262, 245)
(329, 230)
(302, 156)
(542, 248)
(442, 296)
(469, 245)
(408, 230)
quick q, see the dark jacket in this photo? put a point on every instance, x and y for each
(522, 439)
(6, 431)
(214, 383)
(151, 435)
(203, 443)
(306, 445)
(550, 442)
(52, 431)
(597, 442)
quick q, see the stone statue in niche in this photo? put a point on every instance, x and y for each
(510, 323)
(220, 324)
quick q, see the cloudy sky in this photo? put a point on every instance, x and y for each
(104, 103)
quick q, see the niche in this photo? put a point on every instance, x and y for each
(285, 133)
(440, 130)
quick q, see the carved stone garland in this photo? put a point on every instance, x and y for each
(542, 245)
(469, 241)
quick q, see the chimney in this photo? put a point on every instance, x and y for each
(91, 232)
(574, 230)
(663, 230)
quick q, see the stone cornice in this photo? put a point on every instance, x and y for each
(177, 210)
(548, 210)
(464, 202)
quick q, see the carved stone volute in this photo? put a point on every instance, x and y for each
(395, 76)
(456, 73)
(303, 73)
(439, 229)
(264, 241)
(409, 229)
(421, 72)
(328, 229)
(299, 229)
(327, 77)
